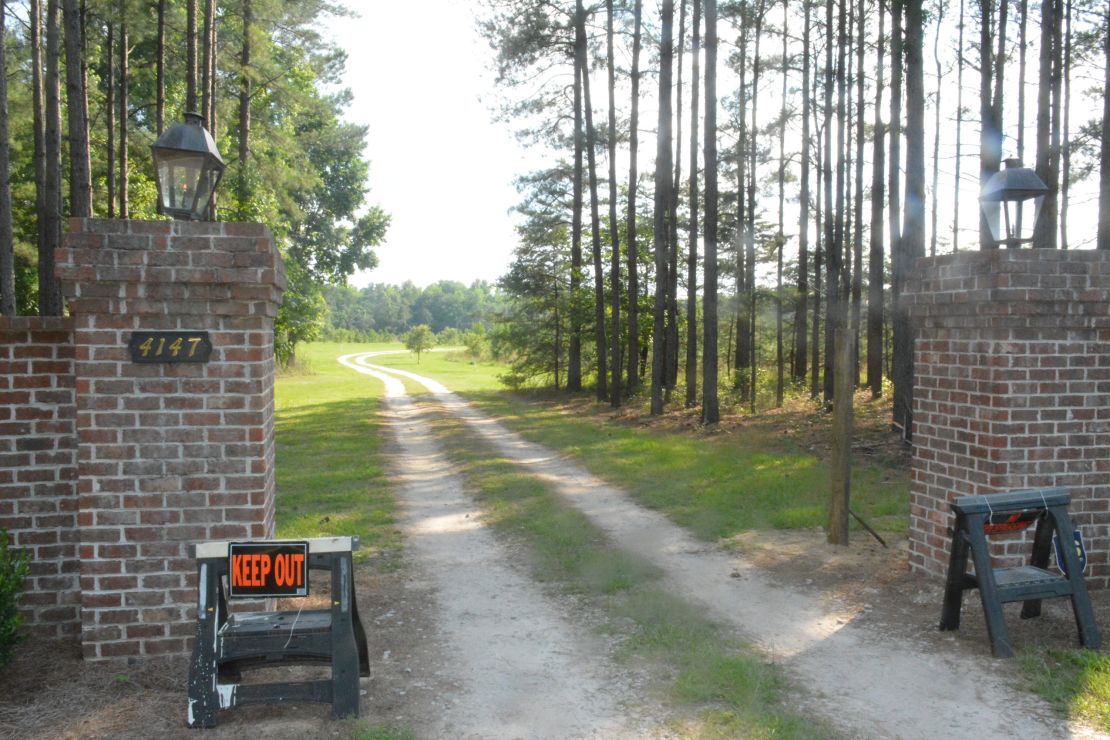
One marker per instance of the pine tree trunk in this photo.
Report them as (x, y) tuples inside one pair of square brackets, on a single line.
[(1044, 231), (670, 379), (749, 257), (7, 246), (601, 346), (38, 105), (206, 99), (912, 244), (780, 379), (801, 308), (988, 129), (875, 267), (710, 413), (857, 202), (832, 279), (1104, 164), (1023, 7), (110, 114), (633, 187), (615, 393), (80, 179), (245, 93), (574, 359), (124, 83), (743, 353), (818, 263), (841, 462), (692, 253), (960, 130), (894, 181), (50, 297), (191, 56), (838, 296), (663, 174), (1065, 148), (933, 235), (160, 69)]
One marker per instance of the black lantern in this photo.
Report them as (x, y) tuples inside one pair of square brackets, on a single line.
[(1003, 202), (187, 167)]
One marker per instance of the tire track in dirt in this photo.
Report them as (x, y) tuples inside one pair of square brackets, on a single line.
[(860, 679), (510, 661)]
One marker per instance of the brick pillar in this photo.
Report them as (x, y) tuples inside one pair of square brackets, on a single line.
[(38, 466), (1012, 390), (168, 454)]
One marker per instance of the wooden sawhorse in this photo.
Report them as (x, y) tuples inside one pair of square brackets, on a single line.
[(227, 644), (978, 516)]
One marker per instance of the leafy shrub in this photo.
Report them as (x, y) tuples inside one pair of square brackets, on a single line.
[(13, 569)]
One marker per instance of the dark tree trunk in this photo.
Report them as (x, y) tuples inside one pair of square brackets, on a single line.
[(749, 257), (836, 314), (1045, 230), (801, 308), (245, 93), (913, 239), (818, 264), (894, 181), (207, 51), (743, 352), (960, 129), (663, 183), (160, 68), (857, 201), (124, 83), (1023, 25), (692, 254), (614, 227), (191, 56), (933, 235), (671, 375), (110, 114), (574, 359), (1065, 147), (1104, 165), (990, 135), (875, 268), (7, 247), (633, 176), (50, 296), (38, 106), (780, 379), (710, 413), (601, 346), (80, 179)]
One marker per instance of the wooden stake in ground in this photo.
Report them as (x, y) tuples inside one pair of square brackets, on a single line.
[(841, 437)]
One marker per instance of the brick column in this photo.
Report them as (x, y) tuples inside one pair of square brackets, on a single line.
[(168, 454), (38, 472), (1012, 390)]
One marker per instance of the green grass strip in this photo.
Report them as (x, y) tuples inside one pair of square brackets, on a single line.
[(729, 690), (330, 466), (716, 485), (1076, 682)]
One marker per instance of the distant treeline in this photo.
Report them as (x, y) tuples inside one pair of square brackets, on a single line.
[(381, 312)]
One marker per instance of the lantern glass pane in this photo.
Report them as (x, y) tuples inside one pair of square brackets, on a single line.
[(992, 211), (179, 174)]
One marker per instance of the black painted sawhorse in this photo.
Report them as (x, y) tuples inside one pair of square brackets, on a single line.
[(227, 644), (979, 516)]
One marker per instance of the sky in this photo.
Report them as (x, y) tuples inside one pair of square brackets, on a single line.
[(439, 165)]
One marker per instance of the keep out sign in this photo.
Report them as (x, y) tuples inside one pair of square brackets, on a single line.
[(268, 569)]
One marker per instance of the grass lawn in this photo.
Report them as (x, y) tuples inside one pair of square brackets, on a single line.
[(330, 478)]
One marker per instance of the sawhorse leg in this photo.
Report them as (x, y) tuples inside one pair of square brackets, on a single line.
[(954, 586), (344, 648), (988, 591), (204, 700), (1080, 601)]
